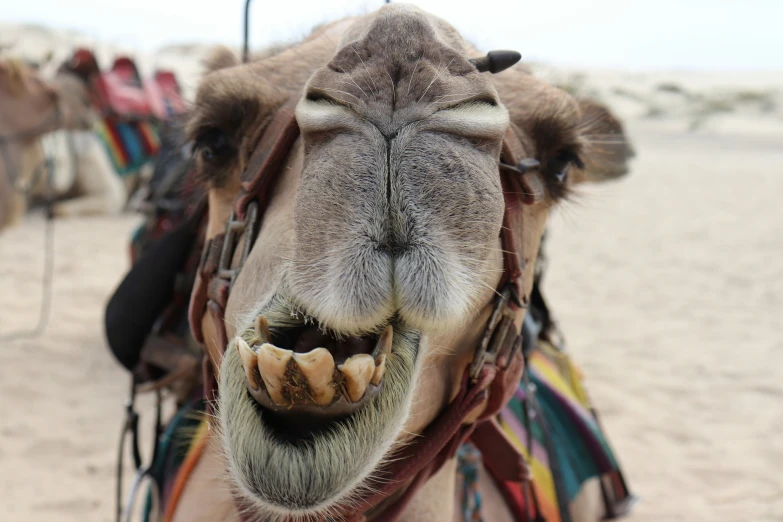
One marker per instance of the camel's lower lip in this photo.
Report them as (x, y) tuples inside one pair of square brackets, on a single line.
[(294, 458), (301, 370)]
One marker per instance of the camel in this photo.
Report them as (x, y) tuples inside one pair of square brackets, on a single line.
[(81, 167), (60, 110), (352, 327), (31, 107)]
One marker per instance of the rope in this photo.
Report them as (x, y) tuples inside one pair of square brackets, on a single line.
[(44, 311), (46, 288)]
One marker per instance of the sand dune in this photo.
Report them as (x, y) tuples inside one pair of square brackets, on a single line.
[(667, 285)]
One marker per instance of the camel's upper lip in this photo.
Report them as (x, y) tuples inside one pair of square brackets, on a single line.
[(298, 369)]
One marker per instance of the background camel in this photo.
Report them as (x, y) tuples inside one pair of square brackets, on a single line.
[(83, 178), (382, 229), (44, 120), (31, 107)]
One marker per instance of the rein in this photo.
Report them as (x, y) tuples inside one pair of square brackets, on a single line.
[(492, 377)]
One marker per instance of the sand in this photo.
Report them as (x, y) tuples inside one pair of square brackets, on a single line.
[(667, 286), (670, 292)]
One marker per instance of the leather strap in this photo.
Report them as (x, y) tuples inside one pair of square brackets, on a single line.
[(210, 292), (514, 195), (266, 162)]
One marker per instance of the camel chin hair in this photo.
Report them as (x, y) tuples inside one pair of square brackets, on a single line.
[(278, 479)]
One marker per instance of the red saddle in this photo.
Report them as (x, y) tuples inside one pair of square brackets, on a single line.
[(121, 92)]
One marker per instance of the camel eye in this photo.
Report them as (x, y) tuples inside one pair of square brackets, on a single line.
[(472, 104), (559, 165), (214, 146), (318, 97), (555, 171)]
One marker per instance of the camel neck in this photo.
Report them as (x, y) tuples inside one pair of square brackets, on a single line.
[(435, 501)]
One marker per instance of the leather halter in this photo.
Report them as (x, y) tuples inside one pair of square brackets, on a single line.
[(498, 362)]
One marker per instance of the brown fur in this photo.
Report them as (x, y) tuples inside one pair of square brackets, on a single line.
[(608, 149), (17, 76), (220, 57)]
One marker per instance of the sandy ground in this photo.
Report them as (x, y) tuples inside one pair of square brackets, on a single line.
[(669, 289), (667, 285)]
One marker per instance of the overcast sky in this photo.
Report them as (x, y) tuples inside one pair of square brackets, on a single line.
[(639, 34)]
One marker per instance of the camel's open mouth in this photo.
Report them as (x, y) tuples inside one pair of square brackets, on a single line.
[(294, 399), (302, 370)]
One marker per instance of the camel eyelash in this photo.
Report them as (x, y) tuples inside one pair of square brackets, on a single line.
[(489, 102), (555, 170), (213, 149)]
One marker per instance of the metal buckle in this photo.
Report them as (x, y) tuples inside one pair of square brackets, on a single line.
[(487, 353), (235, 228)]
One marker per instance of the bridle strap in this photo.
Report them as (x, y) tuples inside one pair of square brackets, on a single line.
[(216, 274), (265, 165)]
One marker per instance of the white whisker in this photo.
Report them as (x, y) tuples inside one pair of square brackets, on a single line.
[(437, 74), (366, 69), (410, 82), (352, 80)]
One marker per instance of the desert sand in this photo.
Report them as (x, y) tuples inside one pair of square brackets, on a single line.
[(667, 285)]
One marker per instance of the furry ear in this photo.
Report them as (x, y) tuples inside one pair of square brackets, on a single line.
[(220, 57), (606, 149)]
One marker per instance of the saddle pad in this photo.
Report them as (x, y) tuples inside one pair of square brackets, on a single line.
[(130, 144), (562, 440)]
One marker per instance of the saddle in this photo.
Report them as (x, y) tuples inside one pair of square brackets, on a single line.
[(131, 110), (121, 92)]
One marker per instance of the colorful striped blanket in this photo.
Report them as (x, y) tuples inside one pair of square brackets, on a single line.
[(550, 420), (130, 144)]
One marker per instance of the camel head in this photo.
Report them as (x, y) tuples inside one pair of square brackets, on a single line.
[(28, 102), (375, 268)]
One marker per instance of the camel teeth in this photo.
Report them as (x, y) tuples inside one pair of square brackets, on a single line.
[(380, 369), (317, 366), (262, 329), (384, 344), (358, 370), (272, 362), (249, 361)]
